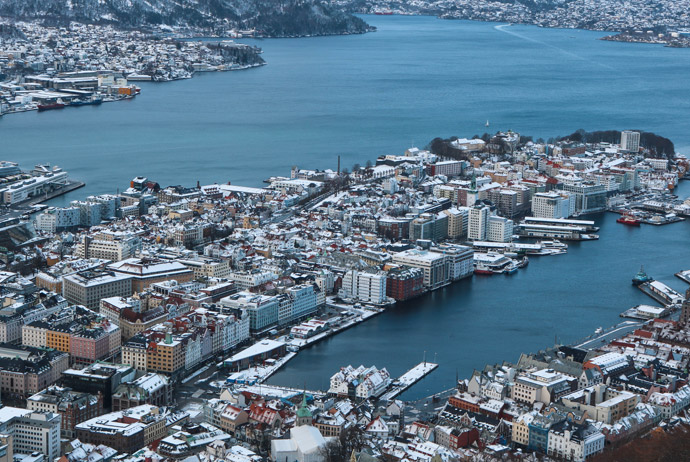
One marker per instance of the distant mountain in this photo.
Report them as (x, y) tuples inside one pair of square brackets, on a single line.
[(273, 17)]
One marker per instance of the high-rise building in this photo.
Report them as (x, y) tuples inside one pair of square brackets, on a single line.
[(553, 205), (478, 223), (630, 141)]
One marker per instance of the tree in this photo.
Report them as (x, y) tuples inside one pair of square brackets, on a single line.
[(356, 168), (369, 164)]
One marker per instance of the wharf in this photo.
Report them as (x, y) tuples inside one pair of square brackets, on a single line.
[(69, 187), (274, 391), (661, 293), (361, 316), (646, 312), (684, 275), (258, 374), (408, 379)]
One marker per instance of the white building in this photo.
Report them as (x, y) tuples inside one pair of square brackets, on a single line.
[(553, 205), (500, 229), (32, 431), (459, 260), (304, 445), (58, 219), (246, 279), (478, 223), (670, 404), (262, 309), (436, 271), (364, 286), (568, 441), (365, 382), (34, 186), (630, 141)]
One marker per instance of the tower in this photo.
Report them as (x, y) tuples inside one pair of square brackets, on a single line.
[(303, 413), (685, 311)]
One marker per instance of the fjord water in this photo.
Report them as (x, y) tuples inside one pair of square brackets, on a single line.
[(359, 97), (367, 95)]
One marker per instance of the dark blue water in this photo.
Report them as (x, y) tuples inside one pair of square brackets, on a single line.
[(363, 96), (360, 97)]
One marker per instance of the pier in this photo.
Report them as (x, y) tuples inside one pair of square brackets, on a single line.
[(408, 379), (661, 293), (684, 276)]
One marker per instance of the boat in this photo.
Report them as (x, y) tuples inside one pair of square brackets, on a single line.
[(629, 220), (598, 331), (88, 102), (512, 268), (487, 123), (641, 277), (554, 244), (47, 107), (524, 262), (383, 13), (481, 268)]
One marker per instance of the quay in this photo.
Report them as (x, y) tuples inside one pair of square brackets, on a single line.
[(408, 379), (71, 185), (646, 312), (684, 275), (661, 293)]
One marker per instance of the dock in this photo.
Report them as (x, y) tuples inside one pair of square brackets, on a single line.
[(646, 312), (661, 293), (69, 187), (684, 276), (408, 379)]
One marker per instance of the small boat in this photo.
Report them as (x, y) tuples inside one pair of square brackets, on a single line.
[(599, 331), (641, 277), (487, 123), (524, 262), (629, 220)]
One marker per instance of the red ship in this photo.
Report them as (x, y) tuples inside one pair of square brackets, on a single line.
[(46, 107), (629, 220), (384, 13)]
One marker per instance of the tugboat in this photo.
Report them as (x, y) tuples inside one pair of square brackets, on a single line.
[(641, 277), (628, 219)]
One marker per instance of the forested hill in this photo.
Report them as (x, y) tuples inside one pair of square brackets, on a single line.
[(273, 18)]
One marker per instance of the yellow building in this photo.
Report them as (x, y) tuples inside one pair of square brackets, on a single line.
[(58, 340)]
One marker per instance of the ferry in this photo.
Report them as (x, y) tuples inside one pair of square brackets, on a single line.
[(641, 277), (629, 220)]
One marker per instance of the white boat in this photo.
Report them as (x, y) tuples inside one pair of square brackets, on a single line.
[(599, 330), (487, 123)]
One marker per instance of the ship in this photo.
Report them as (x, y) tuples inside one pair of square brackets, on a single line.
[(481, 268), (383, 13), (47, 107), (629, 220), (641, 277), (487, 123), (91, 102)]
